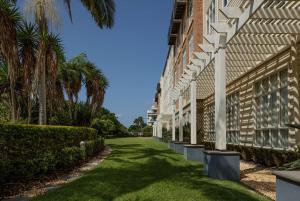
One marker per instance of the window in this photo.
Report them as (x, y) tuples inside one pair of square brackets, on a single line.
[(225, 2), (232, 118), (211, 122), (211, 16), (190, 11), (191, 46), (271, 111)]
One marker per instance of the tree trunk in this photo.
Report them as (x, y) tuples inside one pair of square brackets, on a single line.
[(29, 109), (42, 89)]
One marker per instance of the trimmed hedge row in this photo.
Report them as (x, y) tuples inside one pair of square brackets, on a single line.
[(28, 151), (263, 156)]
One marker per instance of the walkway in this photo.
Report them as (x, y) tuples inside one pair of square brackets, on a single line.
[(140, 169)]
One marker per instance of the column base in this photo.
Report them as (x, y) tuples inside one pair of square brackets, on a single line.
[(158, 139), (171, 145), (194, 152), (287, 185), (222, 165), (179, 147)]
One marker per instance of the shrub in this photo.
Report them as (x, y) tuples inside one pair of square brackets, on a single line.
[(61, 118), (263, 156), (27, 151), (71, 156), (104, 126), (166, 135)]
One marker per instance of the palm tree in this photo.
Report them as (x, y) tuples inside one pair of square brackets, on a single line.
[(9, 19), (45, 13), (28, 41), (54, 57)]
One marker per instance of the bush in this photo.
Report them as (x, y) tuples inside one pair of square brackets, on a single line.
[(263, 156), (61, 118), (166, 135), (28, 151), (104, 126)]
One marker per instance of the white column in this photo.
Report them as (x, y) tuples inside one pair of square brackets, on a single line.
[(153, 130), (180, 118), (220, 99), (173, 122), (193, 88), (159, 126)]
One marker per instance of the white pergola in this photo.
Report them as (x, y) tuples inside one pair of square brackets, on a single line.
[(254, 32)]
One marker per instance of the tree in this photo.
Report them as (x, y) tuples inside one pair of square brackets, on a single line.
[(28, 41), (9, 19), (139, 122), (45, 14)]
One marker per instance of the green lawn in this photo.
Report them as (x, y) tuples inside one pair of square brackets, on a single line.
[(140, 169)]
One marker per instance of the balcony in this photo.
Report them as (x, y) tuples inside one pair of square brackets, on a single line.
[(177, 15)]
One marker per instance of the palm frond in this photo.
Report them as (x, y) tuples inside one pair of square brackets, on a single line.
[(102, 11)]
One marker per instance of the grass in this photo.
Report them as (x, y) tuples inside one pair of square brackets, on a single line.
[(140, 169)]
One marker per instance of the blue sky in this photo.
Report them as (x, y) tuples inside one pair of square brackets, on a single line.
[(131, 55)]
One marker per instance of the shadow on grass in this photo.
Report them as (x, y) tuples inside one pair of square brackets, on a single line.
[(132, 168)]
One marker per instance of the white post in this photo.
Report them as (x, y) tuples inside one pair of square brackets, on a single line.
[(173, 122), (154, 129), (180, 118), (193, 88), (220, 98), (159, 126)]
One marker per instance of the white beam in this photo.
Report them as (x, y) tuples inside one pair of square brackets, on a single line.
[(249, 11), (207, 48), (220, 27), (261, 39), (194, 68), (258, 49), (258, 26), (231, 12)]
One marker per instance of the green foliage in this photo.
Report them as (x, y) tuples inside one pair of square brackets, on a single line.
[(295, 165), (137, 126), (104, 126), (4, 113), (166, 135), (61, 118), (187, 132), (266, 157), (108, 124), (29, 150), (70, 156), (177, 134)]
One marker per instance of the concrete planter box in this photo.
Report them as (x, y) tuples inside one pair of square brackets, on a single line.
[(222, 165), (171, 145), (287, 185), (179, 147), (194, 152)]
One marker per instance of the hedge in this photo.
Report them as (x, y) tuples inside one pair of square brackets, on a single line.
[(29, 151), (263, 156)]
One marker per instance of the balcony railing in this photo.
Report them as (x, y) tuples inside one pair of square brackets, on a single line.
[(176, 19)]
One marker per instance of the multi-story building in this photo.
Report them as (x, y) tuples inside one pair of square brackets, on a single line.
[(151, 115), (236, 71)]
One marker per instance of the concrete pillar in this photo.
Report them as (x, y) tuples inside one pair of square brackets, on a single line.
[(153, 130), (159, 126), (220, 99), (193, 88), (173, 122), (180, 118)]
